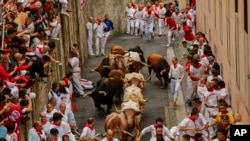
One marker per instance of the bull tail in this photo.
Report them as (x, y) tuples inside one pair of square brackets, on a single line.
[(149, 70)]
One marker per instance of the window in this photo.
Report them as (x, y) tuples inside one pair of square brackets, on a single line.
[(237, 50), (221, 22), (245, 16), (236, 6)]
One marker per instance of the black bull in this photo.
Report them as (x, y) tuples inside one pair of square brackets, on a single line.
[(106, 89)]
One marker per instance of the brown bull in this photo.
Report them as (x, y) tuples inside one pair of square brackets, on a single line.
[(132, 113), (116, 74), (118, 124), (160, 67), (116, 61), (136, 66), (117, 49)]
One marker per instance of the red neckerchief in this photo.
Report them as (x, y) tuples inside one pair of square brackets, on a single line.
[(11, 132), (199, 65), (66, 81), (210, 89), (175, 66), (203, 56), (89, 126), (202, 84), (39, 132), (44, 122), (221, 88), (158, 136), (56, 124), (191, 118), (155, 125)]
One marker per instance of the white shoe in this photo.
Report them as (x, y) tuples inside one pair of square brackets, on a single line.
[(64, 13), (92, 54), (173, 39), (168, 45)]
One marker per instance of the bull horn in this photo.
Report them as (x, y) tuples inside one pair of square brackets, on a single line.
[(116, 109), (145, 64), (126, 132), (127, 54), (103, 92), (162, 71), (144, 100), (94, 69), (87, 94), (149, 77)]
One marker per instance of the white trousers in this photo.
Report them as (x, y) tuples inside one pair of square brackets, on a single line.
[(149, 30), (161, 26), (90, 41), (175, 86), (211, 112), (139, 24), (130, 26), (64, 5), (77, 84), (192, 89), (106, 35), (98, 40), (55, 31), (170, 32)]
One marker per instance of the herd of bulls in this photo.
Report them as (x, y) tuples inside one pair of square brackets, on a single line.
[(120, 73)]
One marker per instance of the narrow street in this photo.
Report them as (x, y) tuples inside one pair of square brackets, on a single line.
[(159, 100)]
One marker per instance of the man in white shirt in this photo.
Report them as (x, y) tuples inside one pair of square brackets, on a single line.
[(159, 136), (176, 74), (45, 123), (99, 36), (178, 17), (188, 126), (88, 132), (62, 127), (221, 135), (149, 17), (129, 16), (89, 27), (161, 11), (74, 64), (223, 94), (36, 133), (110, 136), (50, 110), (139, 22), (152, 130)]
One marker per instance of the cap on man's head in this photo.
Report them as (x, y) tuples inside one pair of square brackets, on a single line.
[(210, 58)]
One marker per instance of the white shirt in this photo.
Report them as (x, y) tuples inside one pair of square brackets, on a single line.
[(152, 129), (210, 78), (105, 139), (200, 121), (46, 127), (212, 98), (149, 19), (201, 91), (130, 12), (177, 73), (74, 61), (204, 61), (35, 136), (197, 71), (161, 12), (164, 137), (224, 92), (189, 23), (58, 98), (11, 137), (63, 129), (87, 132), (178, 18), (99, 29), (139, 14), (50, 115), (187, 123), (89, 27)]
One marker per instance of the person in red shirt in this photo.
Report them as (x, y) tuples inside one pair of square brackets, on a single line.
[(172, 28)]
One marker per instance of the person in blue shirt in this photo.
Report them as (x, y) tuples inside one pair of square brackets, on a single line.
[(3, 129), (107, 30)]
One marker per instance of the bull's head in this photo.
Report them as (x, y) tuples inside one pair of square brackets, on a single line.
[(136, 66), (102, 69)]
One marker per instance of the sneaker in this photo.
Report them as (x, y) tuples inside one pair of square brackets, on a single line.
[(91, 54), (103, 54), (96, 55), (168, 45), (64, 13), (173, 39)]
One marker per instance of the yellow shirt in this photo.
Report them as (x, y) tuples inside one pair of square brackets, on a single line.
[(229, 114)]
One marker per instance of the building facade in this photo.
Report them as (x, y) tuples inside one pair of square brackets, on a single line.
[(226, 24)]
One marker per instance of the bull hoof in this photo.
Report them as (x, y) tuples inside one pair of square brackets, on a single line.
[(100, 109)]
